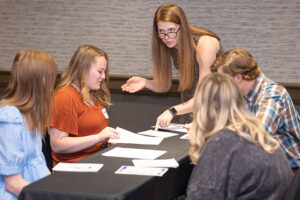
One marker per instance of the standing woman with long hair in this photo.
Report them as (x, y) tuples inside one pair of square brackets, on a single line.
[(234, 157), (79, 122), (25, 110), (192, 49)]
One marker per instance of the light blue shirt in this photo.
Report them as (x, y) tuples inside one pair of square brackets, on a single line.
[(20, 152)]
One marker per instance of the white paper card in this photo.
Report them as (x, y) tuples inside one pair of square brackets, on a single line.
[(157, 133), (134, 153), (156, 163), (105, 113), (77, 167), (174, 127), (143, 171), (128, 137), (185, 137)]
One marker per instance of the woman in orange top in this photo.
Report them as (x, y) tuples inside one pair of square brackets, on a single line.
[(78, 126)]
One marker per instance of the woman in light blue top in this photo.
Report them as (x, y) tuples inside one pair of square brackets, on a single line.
[(25, 110)]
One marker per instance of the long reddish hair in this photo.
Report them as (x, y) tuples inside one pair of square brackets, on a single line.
[(161, 54)]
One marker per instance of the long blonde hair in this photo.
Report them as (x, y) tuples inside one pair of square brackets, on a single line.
[(80, 65), (219, 104), (161, 54), (237, 61), (31, 87)]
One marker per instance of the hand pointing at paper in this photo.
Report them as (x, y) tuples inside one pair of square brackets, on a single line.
[(164, 119)]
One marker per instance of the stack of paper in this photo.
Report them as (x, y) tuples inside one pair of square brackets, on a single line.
[(133, 138), (157, 133), (77, 167)]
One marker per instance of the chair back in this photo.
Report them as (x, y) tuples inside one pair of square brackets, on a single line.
[(293, 192)]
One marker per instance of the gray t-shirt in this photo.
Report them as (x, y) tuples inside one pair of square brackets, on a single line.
[(231, 167)]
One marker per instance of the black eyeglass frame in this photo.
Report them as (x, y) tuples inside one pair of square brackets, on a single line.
[(167, 34)]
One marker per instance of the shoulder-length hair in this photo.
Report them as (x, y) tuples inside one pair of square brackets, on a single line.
[(219, 104), (237, 61), (79, 66), (30, 87), (161, 54)]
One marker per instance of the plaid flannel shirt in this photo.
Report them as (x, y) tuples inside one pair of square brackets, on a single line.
[(272, 103)]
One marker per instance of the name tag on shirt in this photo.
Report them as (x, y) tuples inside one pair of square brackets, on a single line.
[(105, 113)]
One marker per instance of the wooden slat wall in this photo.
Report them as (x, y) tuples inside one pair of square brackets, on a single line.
[(116, 80)]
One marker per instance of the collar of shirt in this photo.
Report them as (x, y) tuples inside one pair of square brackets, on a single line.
[(255, 89)]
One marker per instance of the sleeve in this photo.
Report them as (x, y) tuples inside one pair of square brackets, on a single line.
[(11, 148), (64, 116), (270, 110)]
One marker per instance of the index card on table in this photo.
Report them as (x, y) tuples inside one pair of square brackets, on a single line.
[(134, 153), (143, 171), (77, 167), (156, 163)]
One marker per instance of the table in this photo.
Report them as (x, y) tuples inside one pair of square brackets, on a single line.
[(105, 184)]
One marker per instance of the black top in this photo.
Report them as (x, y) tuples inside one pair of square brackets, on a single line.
[(231, 167), (187, 94)]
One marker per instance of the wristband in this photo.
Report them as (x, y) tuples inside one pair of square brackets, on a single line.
[(173, 111)]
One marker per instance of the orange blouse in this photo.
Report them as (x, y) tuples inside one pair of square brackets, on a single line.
[(77, 119)]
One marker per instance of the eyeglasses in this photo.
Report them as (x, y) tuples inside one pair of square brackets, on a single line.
[(169, 34)]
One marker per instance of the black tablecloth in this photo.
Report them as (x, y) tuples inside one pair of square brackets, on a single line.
[(105, 184)]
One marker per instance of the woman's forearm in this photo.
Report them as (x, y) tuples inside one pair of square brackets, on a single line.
[(61, 142), (73, 144), (154, 87), (15, 183), (184, 108)]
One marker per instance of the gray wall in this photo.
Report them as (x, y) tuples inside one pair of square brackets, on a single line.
[(270, 29)]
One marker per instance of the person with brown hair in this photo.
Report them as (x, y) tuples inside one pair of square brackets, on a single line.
[(79, 122), (25, 110), (268, 100), (233, 155), (192, 49)]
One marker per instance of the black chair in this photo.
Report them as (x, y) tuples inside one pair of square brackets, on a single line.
[(47, 151), (293, 192)]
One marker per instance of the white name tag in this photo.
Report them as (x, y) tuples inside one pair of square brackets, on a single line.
[(105, 113)]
